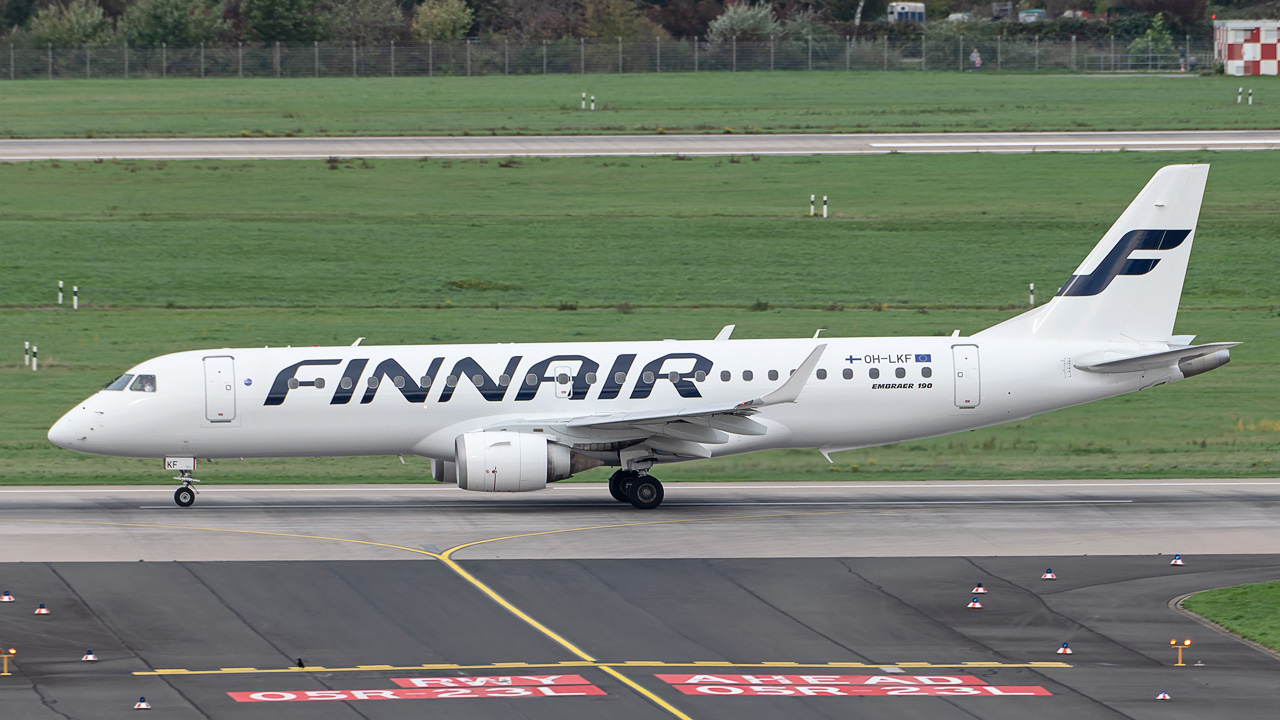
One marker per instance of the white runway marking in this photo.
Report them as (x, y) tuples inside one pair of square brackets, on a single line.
[(747, 503)]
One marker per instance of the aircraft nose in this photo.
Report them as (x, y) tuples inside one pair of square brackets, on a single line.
[(64, 433)]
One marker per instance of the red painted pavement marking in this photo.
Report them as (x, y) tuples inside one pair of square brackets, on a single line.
[(436, 693), (874, 691), (821, 680), (490, 680)]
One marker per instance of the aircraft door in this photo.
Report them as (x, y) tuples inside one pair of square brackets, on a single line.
[(564, 381), (968, 378), (219, 389)]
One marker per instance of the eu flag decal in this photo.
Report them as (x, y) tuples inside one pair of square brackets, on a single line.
[(923, 358)]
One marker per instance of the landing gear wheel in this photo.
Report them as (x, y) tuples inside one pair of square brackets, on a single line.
[(185, 496), (618, 484), (645, 492)]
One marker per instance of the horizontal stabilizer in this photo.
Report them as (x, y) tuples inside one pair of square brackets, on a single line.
[(1152, 361)]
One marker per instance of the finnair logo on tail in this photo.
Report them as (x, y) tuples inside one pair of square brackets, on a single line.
[(1118, 262)]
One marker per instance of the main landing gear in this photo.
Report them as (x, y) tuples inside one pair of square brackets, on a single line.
[(185, 496), (642, 491)]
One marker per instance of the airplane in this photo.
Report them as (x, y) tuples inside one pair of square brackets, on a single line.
[(516, 417)]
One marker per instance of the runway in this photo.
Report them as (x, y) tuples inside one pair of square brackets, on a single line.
[(798, 600), (627, 145)]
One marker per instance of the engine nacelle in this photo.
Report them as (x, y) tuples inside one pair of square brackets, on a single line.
[(444, 471), (509, 461)]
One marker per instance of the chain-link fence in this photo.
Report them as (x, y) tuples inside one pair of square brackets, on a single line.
[(464, 58)]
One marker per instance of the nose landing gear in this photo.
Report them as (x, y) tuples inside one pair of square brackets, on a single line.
[(185, 496)]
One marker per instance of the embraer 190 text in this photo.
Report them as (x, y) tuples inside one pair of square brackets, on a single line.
[(515, 417)]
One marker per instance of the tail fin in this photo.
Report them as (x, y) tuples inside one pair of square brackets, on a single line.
[(1128, 288)]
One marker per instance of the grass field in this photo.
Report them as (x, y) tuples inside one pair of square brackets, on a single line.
[(186, 255), (671, 102), (1251, 611)]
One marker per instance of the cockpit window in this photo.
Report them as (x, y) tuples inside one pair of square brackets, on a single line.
[(119, 383), (144, 383)]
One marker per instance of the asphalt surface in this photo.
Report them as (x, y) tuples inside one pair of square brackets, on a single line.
[(781, 590), (628, 145)]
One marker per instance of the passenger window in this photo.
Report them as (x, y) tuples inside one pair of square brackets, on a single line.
[(847, 373), (319, 383), (425, 383), (373, 382), (619, 378), (345, 383), (725, 375), (144, 383), (477, 380), (119, 383), (293, 383), (699, 376), (563, 378), (451, 381), (530, 379), (926, 372), (399, 381), (900, 372), (874, 373), (648, 378), (591, 378), (822, 374), (504, 379), (773, 374), (673, 376), (747, 375)]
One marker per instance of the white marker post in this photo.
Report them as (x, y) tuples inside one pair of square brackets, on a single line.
[(812, 211), (35, 358), (824, 206), (584, 99), (26, 353), (1250, 96), (59, 292), (1239, 95), (75, 297), (593, 100), (1032, 295)]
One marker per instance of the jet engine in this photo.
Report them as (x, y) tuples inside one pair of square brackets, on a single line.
[(513, 461), (1204, 363)]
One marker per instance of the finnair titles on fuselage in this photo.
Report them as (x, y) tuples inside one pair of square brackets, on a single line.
[(514, 417)]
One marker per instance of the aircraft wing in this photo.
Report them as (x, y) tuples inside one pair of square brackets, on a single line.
[(680, 430)]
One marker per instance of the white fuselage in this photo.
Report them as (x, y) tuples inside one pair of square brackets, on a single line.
[(318, 401)]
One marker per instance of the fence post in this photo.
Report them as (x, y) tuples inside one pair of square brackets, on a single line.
[(506, 56), (393, 58), (354, 66), (164, 60), (240, 59), (735, 52), (695, 54), (923, 54), (11, 70), (810, 52), (848, 49), (886, 50), (1073, 52), (50, 61), (960, 53), (657, 41), (544, 57), (276, 59), (582, 56), (999, 49), (1037, 53), (619, 56), (431, 58), (315, 58), (771, 39), (202, 59), (468, 57), (88, 74), (1113, 53)]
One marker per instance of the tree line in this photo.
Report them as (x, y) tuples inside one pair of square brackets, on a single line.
[(188, 23)]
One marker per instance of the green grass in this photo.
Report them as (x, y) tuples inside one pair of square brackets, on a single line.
[(907, 230), (207, 254), (671, 102), (1250, 611)]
